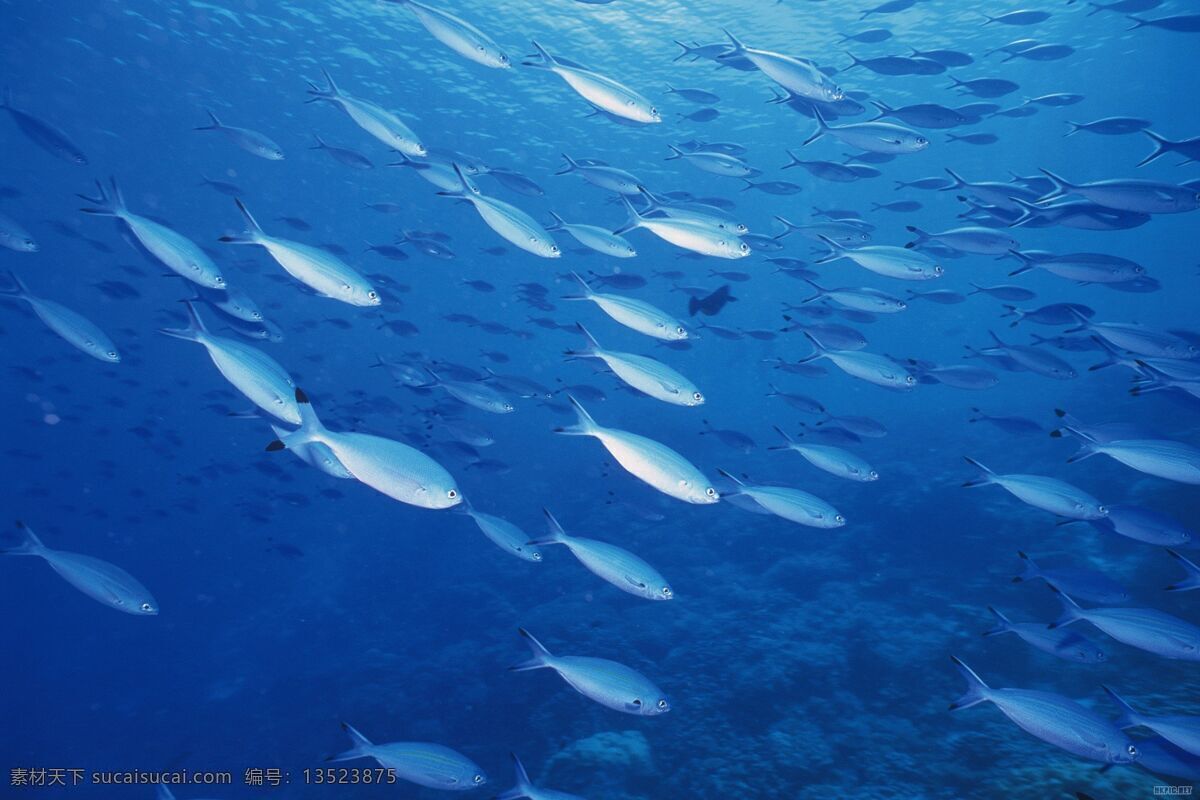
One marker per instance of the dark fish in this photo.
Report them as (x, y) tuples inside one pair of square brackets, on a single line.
[(872, 36), (1110, 126), (973, 138), (703, 115), (43, 134), (711, 304), (295, 222), (224, 187), (342, 155), (985, 87)]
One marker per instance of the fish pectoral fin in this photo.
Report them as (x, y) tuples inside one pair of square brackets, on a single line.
[(635, 582), (634, 705)]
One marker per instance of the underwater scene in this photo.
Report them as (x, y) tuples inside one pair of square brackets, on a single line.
[(609, 399)]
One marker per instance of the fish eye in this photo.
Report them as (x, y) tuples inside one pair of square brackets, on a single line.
[(711, 492), (654, 111), (452, 494), (699, 398), (839, 519), (910, 380), (553, 248), (662, 705), (477, 779), (1133, 751), (666, 591), (537, 556), (373, 294), (937, 270), (680, 330), (220, 281), (873, 475), (1103, 510), (147, 607), (922, 140)]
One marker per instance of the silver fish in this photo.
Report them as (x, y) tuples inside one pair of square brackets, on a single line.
[(389, 467), (459, 35), (647, 375), (177, 252), (634, 314), (602, 92), (318, 269), (99, 580), (650, 461), (250, 141), (594, 237), (833, 460), (380, 123), (616, 565), (1062, 644), (252, 372), (1052, 718), (870, 367), (504, 534), (610, 684), (893, 262), (793, 505), (1048, 494), (873, 137), (76, 330), (1163, 458), (510, 222), (1144, 628), (432, 765)]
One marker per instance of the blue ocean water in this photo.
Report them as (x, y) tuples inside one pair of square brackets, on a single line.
[(799, 661)]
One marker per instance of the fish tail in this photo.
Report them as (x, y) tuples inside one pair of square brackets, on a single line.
[(1061, 185), (686, 50), (593, 347), (984, 479), (547, 61), (30, 544), (1162, 146), (633, 218), (738, 47), (977, 690), (1191, 580), (215, 123), (795, 162), (310, 428), (584, 285), (253, 233), (821, 127), (541, 656), (958, 181), (1129, 717), (1031, 569), (556, 533), (788, 441), (1071, 609), (731, 477), (818, 348), (19, 290), (855, 61), (921, 235), (835, 250), (676, 153), (109, 203), (559, 222), (1003, 625), (1137, 22), (585, 426), (320, 145), (193, 331), (362, 745)]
